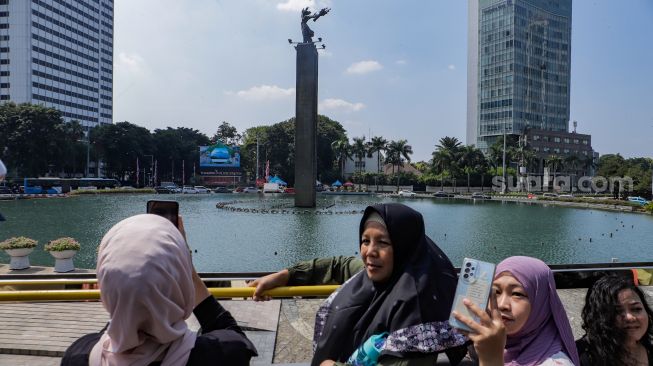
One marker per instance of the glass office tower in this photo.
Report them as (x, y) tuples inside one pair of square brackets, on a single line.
[(518, 68)]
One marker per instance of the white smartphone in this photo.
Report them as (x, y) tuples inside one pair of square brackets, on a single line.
[(475, 284)]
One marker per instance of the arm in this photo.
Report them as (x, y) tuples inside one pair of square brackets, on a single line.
[(319, 271), (489, 336)]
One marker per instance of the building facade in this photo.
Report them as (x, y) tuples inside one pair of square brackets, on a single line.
[(547, 143), (369, 164), (518, 68), (59, 53)]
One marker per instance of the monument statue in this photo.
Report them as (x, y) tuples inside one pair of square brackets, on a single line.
[(306, 16)]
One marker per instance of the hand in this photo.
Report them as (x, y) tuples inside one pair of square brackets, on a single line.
[(328, 363), (268, 282), (489, 336)]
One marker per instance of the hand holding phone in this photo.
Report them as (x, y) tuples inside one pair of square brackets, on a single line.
[(474, 284), (166, 209)]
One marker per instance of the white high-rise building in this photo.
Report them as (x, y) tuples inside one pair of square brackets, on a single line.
[(59, 53)]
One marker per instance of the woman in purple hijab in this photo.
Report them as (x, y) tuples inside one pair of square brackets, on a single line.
[(527, 324)]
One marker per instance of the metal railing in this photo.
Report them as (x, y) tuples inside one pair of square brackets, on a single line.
[(567, 276)]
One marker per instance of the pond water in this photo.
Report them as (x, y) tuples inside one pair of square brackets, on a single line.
[(229, 241)]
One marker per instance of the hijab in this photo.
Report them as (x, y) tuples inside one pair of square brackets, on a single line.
[(547, 330), (413, 305), (144, 271)]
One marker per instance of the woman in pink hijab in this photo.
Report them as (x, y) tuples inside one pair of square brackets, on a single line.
[(149, 287), (527, 324)]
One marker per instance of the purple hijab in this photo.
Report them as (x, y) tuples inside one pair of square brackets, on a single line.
[(547, 330)]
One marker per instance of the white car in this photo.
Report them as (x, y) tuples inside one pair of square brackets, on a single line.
[(188, 190), (407, 194), (201, 189)]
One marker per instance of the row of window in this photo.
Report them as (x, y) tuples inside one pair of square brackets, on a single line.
[(4, 62), (66, 15), (4, 85), (107, 7), (63, 102), (88, 6), (64, 48), (77, 10), (106, 88), (63, 81), (567, 140), (64, 92), (5, 73), (106, 97), (63, 36), (107, 16), (107, 61), (4, 14), (63, 69), (63, 58), (496, 115), (64, 26), (4, 96), (79, 117), (557, 150), (105, 115), (4, 38), (4, 25), (105, 106), (496, 104), (4, 49)]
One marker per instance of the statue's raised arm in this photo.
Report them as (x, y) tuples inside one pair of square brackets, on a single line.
[(307, 33)]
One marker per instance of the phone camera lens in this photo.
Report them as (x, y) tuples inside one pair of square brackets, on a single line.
[(468, 264), (466, 270), (473, 268), (465, 275), (471, 274)]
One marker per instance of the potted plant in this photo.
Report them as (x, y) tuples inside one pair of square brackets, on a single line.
[(18, 249), (63, 250)]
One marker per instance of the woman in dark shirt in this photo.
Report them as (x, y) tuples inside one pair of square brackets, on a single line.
[(618, 325), (149, 287)]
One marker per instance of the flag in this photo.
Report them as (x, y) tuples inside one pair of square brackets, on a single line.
[(156, 165), (267, 169), (137, 170)]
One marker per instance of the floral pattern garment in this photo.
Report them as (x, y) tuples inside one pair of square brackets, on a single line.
[(422, 338)]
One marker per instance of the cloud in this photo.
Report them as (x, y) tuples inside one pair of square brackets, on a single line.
[(401, 62), (295, 5), (133, 63), (264, 92), (363, 67), (451, 67), (340, 105)]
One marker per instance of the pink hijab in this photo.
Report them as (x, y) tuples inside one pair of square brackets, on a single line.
[(144, 271), (547, 330)]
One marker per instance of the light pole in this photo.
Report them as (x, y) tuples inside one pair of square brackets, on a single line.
[(503, 186), (151, 167)]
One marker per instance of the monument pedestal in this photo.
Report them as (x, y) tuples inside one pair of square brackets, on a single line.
[(306, 125)]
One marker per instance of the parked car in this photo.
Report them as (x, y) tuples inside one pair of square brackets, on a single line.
[(549, 194), (250, 190), (222, 190), (171, 186), (641, 200), (407, 194), (188, 190), (481, 196), (289, 190), (442, 194), (201, 189), (566, 196), (164, 190), (5, 190)]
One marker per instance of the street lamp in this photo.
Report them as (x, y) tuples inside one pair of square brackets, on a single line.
[(151, 167)]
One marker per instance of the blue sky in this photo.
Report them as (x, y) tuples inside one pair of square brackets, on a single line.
[(391, 68)]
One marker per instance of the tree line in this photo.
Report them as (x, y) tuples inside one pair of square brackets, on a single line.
[(35, 141)]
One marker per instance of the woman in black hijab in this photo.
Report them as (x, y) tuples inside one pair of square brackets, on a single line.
[(406, 290)]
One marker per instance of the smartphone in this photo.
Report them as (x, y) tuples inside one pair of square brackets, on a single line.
[(167, 209), (475, 284)]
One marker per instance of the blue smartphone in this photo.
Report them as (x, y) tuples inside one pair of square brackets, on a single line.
[(475, 284)]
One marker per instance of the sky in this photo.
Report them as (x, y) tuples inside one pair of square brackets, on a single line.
[(395, 69)]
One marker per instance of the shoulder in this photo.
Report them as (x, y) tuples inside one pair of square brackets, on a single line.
[(419, 360), (77, 353), (558, 359)]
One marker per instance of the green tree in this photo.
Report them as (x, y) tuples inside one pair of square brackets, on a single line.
[(470, 160), (398, 152), (178, 147), (119, 145), (35, 139), (342, 151), (446, 156), (227, 134), (378, 145), (555, 163)]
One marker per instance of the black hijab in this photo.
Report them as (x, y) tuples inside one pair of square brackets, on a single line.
[(419, 293)]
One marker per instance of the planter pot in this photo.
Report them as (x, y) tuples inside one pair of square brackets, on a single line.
[(19, 257), (63, 260)]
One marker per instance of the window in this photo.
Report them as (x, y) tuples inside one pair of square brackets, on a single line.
[(576, 141), (556, 139), (556, 150), (567, 140), (536, 137), (584, 142)]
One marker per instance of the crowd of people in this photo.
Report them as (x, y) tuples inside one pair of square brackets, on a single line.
[(393, 306)]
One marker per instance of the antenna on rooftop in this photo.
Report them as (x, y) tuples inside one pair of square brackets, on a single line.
[(575, 125)]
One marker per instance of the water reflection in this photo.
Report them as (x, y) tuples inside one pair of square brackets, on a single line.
[(237, 241)]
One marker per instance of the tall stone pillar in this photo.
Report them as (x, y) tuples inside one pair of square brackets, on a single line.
[(306, 125)]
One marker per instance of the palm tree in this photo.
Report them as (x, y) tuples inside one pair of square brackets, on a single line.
[(446, 155), (377, 145), (398, 151), (554, 162), (359, 149), (588, 164), (342, 151), (469, 160)]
